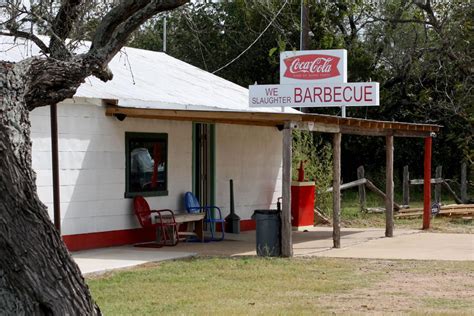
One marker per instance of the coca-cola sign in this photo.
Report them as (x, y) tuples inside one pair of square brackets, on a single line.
[(322, 66), (311, 67), (314, 78)]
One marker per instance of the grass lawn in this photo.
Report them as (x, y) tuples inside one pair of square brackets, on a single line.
[(219, 286)]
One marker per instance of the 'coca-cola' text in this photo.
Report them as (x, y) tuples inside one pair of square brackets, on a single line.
[(311, 67)]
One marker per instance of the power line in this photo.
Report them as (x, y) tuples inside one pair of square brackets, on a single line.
[(255, 41)]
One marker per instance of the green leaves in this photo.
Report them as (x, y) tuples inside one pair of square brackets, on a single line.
[(425, 73), (317, 155), (272, 51)]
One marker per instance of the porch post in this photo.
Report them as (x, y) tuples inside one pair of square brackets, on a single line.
[(336, 192), (55, 166), (286, 238), (427, 184), (389, 187)]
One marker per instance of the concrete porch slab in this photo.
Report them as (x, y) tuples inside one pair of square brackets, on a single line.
[(417, 246), (355, 243), (317, 242), (106, 259)]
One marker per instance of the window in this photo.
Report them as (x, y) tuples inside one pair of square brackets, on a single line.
[(146, 164)]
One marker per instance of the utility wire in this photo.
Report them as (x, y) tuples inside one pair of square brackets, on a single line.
[(255, 41)]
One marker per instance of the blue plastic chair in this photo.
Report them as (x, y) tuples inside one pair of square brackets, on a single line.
[(193, 206)]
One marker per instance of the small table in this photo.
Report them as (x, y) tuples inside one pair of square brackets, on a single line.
[(180, 218)]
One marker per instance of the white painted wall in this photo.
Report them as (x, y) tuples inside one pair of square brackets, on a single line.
[(251, 156), (92, 165)]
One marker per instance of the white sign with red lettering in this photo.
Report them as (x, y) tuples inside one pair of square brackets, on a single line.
[(315, 95), (313, 65)]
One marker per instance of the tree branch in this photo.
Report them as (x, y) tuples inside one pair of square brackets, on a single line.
[(396, 21), (59, 82), (429, 11), (48, 82), (35, 39), (62, 26), (113, 19), (112, 34)]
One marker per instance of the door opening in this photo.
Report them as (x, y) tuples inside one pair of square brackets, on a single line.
[(203, 161)]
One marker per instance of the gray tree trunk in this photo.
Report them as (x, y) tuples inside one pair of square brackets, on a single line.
[(37, 274)]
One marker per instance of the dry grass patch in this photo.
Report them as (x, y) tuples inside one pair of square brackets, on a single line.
[(353, 217), (282, 286)]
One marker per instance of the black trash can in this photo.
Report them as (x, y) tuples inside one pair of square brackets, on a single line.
[(268, 232)]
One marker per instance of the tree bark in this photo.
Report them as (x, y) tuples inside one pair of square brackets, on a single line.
[(37, 274)]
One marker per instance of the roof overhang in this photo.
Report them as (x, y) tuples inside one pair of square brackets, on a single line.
[(305, 121)]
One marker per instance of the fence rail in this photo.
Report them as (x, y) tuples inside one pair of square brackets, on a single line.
[(363, 183)]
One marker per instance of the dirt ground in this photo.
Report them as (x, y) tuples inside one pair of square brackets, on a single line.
[(413, 290)]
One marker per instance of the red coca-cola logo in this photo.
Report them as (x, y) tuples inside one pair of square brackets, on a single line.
[(311, 67)]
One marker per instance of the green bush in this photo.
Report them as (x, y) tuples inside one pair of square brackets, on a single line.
[(317, 154)]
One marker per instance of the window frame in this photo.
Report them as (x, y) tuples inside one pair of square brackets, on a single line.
[(148, 136)]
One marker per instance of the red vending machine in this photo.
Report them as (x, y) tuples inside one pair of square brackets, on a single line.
[(302, 205)]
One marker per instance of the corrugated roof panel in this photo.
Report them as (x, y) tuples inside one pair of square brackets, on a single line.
[(147, 79)]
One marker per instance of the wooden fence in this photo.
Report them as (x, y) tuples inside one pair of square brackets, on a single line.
[(439, 183), (363, 183)]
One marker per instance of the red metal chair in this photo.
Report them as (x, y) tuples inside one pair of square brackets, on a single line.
[(164, 222)]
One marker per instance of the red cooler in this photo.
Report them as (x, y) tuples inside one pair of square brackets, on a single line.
[(302, 205)]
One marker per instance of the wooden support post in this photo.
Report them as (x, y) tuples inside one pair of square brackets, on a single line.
[(389, 187), (286, 238), (406, 186), (439, 174), (427, 184), (336, 195), (362, 198), (464, 183), (55, 166)]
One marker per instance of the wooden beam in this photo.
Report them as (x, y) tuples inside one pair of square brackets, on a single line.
[(380, 193), (404, 132), (451, 191), (336, 196), (204, 115), (450, 213), (322, 123), (318, 127), (209, 120), (389, 187), (383, 130), (422, 181), (427, 184), (355, 130), (443, 207), (349, 185), (286, 230)]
